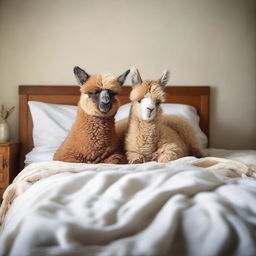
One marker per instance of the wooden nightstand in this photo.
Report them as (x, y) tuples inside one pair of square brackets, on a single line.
[(8, 164)]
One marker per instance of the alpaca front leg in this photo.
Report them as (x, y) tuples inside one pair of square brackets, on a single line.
[(116, 158), (168, 153), (135, 158), (167, 157)]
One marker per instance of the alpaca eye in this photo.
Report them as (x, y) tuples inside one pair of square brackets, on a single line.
[(158, 103), (139, 101), (111, 93)]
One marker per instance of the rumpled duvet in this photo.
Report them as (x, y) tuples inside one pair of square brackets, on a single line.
[(189, 206)]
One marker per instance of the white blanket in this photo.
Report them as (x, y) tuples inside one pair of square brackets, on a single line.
[(187, 207)]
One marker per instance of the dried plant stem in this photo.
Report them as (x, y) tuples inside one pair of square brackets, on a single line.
[(5, 113)]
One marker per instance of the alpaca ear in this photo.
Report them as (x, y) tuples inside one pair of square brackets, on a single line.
[(81, 75), (164, 78), (136, 78), (122, 77)]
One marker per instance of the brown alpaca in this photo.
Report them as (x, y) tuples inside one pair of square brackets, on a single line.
[(151, 136), (93, 138)]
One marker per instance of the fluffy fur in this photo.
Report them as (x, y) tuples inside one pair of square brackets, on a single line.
[(151, 136), (93, 138)]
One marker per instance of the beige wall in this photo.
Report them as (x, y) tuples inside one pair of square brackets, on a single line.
[(203, 42)]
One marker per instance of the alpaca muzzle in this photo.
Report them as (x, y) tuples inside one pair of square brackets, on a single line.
[(105, 103)]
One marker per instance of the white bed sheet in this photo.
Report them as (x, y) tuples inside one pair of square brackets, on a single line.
[(148, 209)]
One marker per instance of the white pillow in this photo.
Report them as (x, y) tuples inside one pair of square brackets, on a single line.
[(52, 122)]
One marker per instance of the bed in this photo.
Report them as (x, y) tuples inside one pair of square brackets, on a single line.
[(189, 206)]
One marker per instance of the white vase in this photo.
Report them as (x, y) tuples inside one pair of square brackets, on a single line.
[(4, 131)]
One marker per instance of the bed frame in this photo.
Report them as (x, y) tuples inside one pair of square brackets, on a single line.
[(197, 96)]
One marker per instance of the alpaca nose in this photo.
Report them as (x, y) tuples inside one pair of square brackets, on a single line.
[(150, 110), (104, 103), (104, 97)]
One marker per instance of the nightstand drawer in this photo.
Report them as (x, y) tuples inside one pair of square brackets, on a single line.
[(1, 163), (8, 163), (3, 172), (1, 169)]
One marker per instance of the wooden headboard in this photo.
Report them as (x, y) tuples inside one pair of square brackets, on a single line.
[(197, 96)]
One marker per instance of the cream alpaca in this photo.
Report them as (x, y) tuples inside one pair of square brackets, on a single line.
[(150, 135)]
